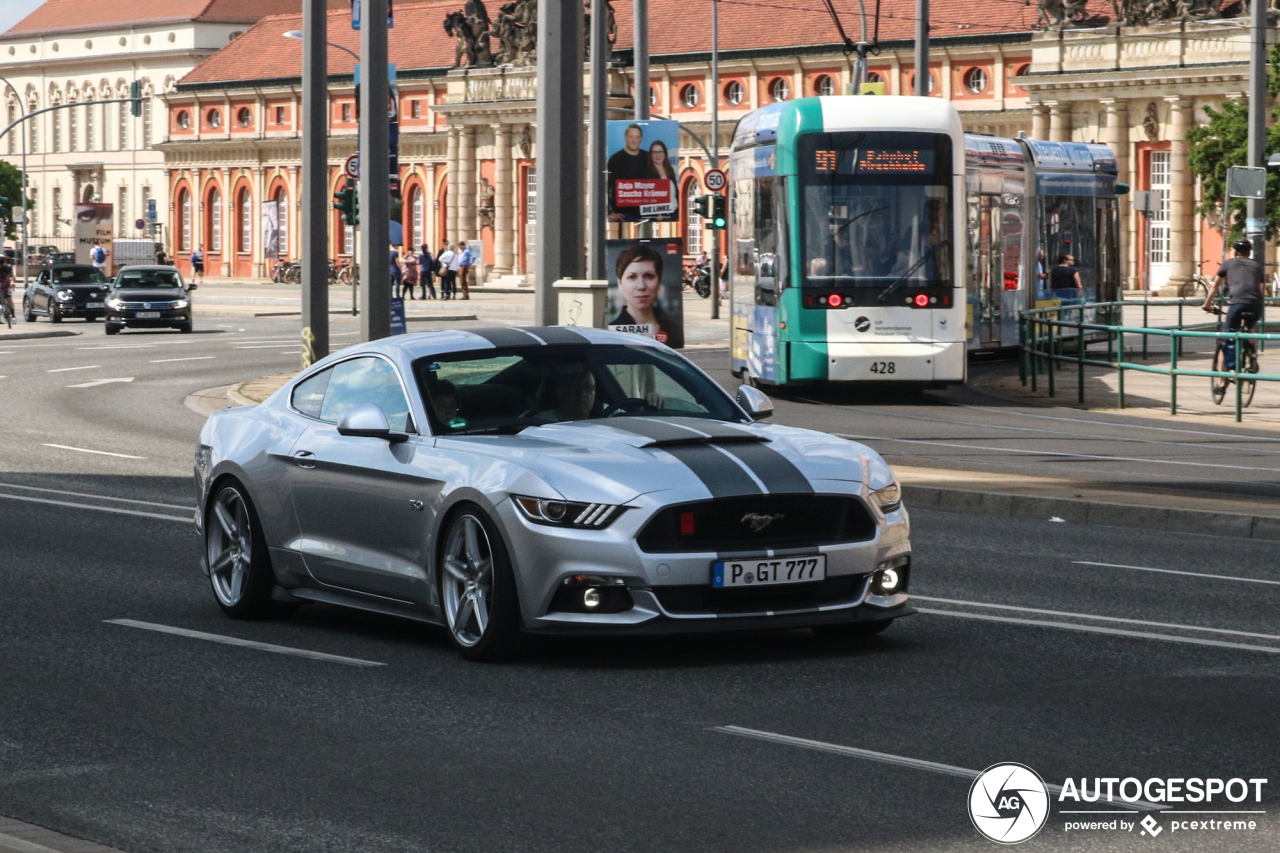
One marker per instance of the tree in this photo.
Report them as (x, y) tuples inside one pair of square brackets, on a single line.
[(1224, 142), (11, 188)]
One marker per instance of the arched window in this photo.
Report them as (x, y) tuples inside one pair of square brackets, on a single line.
[(417, 224), (693, 222), (690, 96), (213, 212), (779, 90), (928, 84), (245, 209), (874, 77), (57, 131), (282, 208), (733, 93), (975, 81), (184, 229), (825, 85)]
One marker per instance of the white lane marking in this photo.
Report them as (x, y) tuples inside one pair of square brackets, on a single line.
[(262, 341), (1175, 572), (1055, 453), (1128, 427), (271, 346), (188, 358), (114, 509), (98, 497), (248, 644), (887, 758), (119, 346), (98, 382), (98, 452), (1098, 618), (1098, 629), (65, 369)]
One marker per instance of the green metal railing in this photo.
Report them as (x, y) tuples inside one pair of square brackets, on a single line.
[(1044, 334)]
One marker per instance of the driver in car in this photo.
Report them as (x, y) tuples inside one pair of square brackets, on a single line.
[(575, 397)]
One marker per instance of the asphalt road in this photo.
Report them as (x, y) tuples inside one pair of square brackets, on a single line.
[(1043, 643)]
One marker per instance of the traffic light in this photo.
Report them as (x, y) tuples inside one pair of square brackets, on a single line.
[(347, 202), (719, 206), (135, 92), (702, 204)]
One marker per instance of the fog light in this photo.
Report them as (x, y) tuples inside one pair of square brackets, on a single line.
[(891, 576), (592, 598), (888, 581)]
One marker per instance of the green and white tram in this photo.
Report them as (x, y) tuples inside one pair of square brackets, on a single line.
[(871, 240)]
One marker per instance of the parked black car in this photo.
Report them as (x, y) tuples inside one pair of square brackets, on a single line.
[(66, 290), (149, 297)]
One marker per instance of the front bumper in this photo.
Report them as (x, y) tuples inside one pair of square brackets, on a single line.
[(663, 587), (167, 319)]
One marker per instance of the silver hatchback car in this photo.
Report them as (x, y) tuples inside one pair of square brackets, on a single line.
[(551, 480)]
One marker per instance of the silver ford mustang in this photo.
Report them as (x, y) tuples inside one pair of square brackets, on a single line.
[(549, 480)]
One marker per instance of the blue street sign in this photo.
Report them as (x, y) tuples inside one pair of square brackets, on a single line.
[(355, 15), (397, 317), (151, 209)]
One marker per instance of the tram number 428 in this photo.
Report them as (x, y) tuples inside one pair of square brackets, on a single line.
[(883, 367)]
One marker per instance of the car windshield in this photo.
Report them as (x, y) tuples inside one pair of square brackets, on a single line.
[(509, 389), (79, 275), (149, 278)]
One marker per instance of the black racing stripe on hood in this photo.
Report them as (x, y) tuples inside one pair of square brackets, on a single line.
[(777, 472), (556, 335), (723, 477), (506, 337), (660, 431)]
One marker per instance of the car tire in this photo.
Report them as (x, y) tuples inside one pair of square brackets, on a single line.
[(477, 587), (28, 315), (852, 630), (239, 564), (55, 315), (110, 328), (185, 328)]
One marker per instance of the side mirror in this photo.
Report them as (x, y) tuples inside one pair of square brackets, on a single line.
[(191, 287), (755, 402), (368, 421)]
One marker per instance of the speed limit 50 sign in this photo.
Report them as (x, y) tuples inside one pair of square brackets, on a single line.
[(715, 180)]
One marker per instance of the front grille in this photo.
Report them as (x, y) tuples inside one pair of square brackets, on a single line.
[(702, 598), (757, 522), (147, 306)]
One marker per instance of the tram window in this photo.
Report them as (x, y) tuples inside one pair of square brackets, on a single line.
[(1071, 228)]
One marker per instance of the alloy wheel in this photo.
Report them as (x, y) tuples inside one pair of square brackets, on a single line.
[(229, 542), (467, 582)]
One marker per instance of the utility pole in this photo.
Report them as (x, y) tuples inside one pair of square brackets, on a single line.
[(596, 142), (21, 130), (922, 47), (375, 165), (1255, 221), (715, 152), (640, 61), (560, 215), (315, 182)]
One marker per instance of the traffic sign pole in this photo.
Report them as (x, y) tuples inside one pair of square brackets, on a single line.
[(315, 180)]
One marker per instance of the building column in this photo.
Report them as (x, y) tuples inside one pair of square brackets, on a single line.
[(451, 175), (430, 216), (1060, 121), (1116, 136), (503, 245), (468, 228), (259, 253), (517, 224), (224, 212), (1181, 212), (1039, 121)]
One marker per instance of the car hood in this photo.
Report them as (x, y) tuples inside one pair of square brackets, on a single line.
[(150, 294), (617, 460)]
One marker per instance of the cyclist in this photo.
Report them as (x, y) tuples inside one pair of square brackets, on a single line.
[(1242, 276)]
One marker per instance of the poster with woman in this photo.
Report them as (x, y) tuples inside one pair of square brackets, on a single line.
[(642, 174), (645, 291)]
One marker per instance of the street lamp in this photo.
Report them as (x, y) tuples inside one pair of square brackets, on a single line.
[(296, 35), (26, 214)]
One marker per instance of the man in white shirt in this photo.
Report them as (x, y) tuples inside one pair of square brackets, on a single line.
[(450, 261)]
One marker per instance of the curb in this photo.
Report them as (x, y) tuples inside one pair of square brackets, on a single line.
[(1098, 513), (31, 336), (17, 836), (234, 395)]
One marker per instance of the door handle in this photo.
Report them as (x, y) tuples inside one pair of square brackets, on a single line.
[(305, 458)]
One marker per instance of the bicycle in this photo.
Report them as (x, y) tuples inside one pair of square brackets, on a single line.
[(1197, 286), (1249, 362)]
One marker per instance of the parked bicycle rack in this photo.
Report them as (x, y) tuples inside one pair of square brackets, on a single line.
[(1042, 333)]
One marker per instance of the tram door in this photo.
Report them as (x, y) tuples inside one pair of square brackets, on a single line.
[(995, 286)]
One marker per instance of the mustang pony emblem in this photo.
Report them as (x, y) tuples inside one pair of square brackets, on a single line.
[(760, 520)]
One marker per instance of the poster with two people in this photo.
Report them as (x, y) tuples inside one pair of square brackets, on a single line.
[(642, 170)]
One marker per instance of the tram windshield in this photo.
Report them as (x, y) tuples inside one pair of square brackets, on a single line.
[(876, 209)]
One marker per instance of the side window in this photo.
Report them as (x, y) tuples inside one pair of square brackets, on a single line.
[(361, 381), (309, 394)]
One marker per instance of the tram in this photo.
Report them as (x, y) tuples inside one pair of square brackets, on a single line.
[(872, 240)]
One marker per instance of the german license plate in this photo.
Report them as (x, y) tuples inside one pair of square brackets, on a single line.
[(147, 315), (95, 304), (725, 573)]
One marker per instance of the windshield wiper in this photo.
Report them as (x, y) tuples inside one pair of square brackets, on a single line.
[(888, 291), (859, 216)]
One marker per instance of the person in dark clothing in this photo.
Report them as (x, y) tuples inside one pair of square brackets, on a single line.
[(1242, 276), (396, 279), (1065, 276), (426, 270)]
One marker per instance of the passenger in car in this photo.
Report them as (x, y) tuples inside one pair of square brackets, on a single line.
[(444, 400)]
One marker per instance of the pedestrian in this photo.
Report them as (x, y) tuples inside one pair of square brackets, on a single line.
[(1065, 276), (162, 260), (395, 273), (410, 264), (449, 261), (197, 264), (465, 264), (99, 257), (426, 271)]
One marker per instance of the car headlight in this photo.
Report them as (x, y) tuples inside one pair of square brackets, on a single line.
[(115, 302), (65, 296), (181, 303), (567, 513), (888, 498), (204, 457)]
